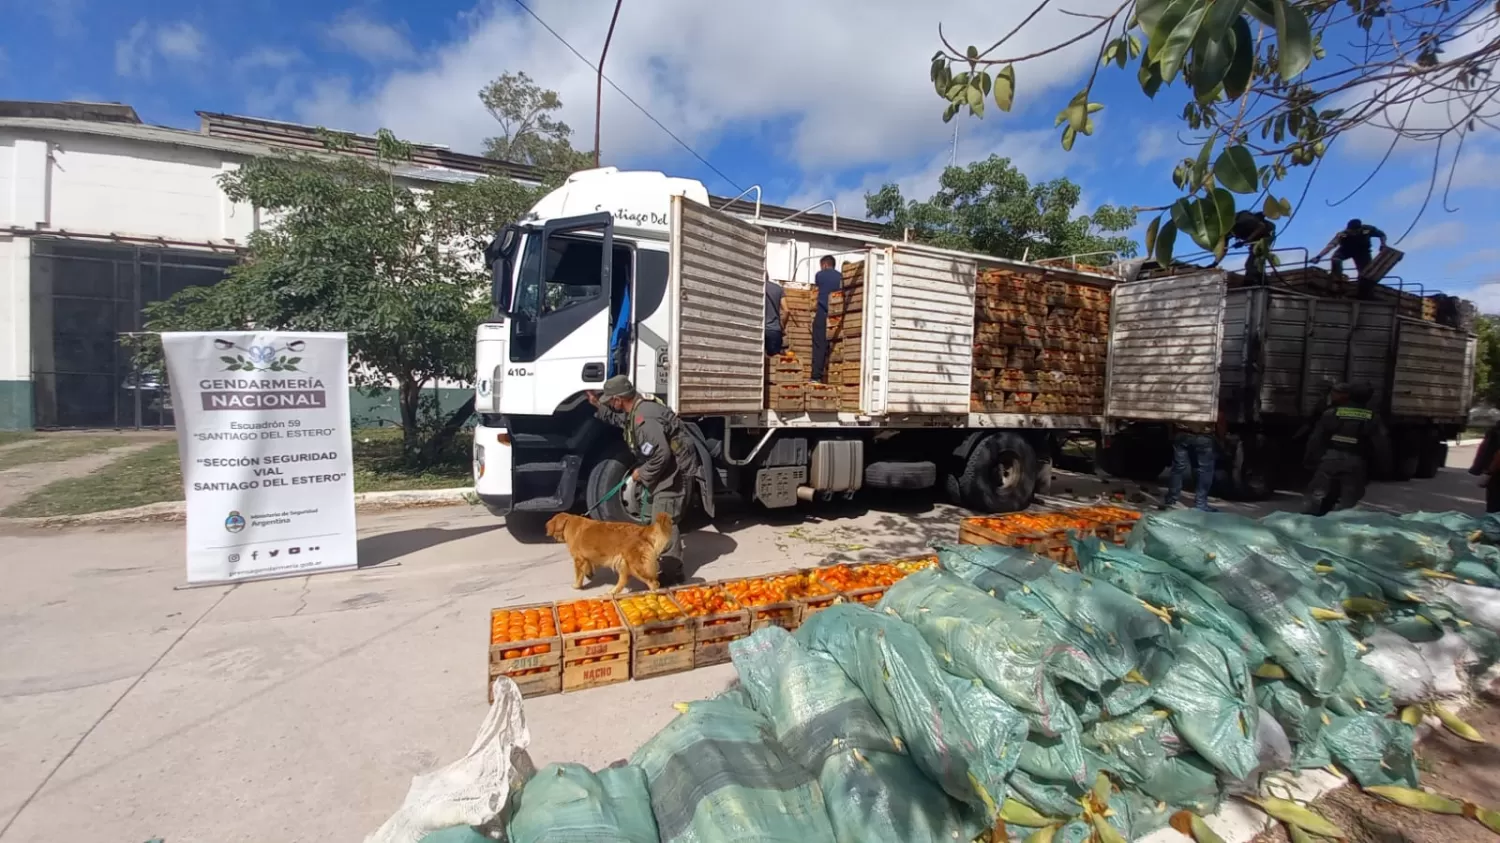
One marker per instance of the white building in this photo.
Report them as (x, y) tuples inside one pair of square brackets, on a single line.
[(101, 215)]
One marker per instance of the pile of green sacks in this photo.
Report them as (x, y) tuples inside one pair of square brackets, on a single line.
[(1208, 651)]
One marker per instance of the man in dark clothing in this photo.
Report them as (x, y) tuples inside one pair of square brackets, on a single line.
[(775, 327), (1251, 228), (828, 280), (1353, 243), (1192, 443), (1487, 465), (667, 456), (1339, 450)]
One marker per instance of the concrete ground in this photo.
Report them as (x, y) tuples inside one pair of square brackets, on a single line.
[(300, 709)]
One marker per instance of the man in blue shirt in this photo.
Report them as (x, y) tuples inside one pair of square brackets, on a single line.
[(619, 339), (828, 280)]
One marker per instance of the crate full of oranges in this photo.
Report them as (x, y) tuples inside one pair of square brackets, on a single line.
[(772, 600), (1115, 522), (862, 583), (811, 594), (596, 644), (524, 645), (655, 620), (718, 620)]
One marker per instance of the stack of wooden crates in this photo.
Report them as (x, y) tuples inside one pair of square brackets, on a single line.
[(1039, 344), (789, 387)]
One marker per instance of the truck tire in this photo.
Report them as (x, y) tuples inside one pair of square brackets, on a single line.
[(1406, 456), (1001, 474), (1433, 456), (527, 527), (888, 474), (608, 471), (1249, 479)]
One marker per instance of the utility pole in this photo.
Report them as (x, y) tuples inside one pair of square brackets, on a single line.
[(599, 85)]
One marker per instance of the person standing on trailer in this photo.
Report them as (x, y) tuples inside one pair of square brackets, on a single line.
[(775, 322), (1342, 445), (829, 280), (666, 455), (1353, 244)]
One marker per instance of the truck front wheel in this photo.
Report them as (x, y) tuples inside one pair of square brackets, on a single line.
[(1000, 475), (606, 474)]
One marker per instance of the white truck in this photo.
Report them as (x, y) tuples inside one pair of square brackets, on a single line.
[(691, 281)]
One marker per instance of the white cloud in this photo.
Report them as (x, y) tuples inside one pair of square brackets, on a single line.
[(1476, 257), (267, 58), (830, 86), (181, 41), (1485, 296), (135, 53), (1157, 143), (1434, 236), (369, 39)]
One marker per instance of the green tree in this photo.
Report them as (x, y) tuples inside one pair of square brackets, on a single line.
[(989, 206), (353, 249), (1487, 361), (529, 133), (1267, 87)]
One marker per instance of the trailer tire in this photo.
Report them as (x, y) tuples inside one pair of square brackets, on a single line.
[(1433, 456), (1248, 478), (1406, 459), (608, 471), (1000, 475), (888, 474)]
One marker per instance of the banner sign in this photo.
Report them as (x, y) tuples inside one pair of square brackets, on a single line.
[(267, 458)]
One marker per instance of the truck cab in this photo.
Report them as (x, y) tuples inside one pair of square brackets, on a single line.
[(579, 293)]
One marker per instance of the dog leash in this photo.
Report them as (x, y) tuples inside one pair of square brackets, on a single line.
[(645, 495)]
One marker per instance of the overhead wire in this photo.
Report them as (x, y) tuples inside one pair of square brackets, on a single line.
[(649, 116)]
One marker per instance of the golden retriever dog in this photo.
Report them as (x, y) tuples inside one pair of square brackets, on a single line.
[(632, 550)]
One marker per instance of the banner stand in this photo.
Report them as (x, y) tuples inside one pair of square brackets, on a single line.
[(264, 441), (188, 586)]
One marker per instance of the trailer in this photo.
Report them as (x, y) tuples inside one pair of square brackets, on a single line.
[(1259, 361), (926, 396)]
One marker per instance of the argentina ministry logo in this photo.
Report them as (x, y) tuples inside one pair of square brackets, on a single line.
[(234, 522), (260, 358)]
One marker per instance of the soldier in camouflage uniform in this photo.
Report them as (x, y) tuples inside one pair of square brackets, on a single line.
[(1346, 438), (667, 458)]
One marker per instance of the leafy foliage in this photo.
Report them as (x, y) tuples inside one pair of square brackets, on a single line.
[(529, 132), (1487, 361), (990, 206), (1252, 106), (351, 248)]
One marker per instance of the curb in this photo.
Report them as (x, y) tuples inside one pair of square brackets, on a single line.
[(177, 510)]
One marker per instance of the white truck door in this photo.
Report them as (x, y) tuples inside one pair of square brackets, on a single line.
[(567, 295), (1165, 338), (716, 285)]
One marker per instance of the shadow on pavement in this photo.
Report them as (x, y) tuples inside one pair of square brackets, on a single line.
[(376, 550)]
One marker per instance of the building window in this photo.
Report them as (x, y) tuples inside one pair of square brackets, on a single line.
[(85, 298)]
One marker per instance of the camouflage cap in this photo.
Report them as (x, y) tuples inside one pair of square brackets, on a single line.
[(618, 386)]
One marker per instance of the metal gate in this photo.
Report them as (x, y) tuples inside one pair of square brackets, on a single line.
[(85, 299)]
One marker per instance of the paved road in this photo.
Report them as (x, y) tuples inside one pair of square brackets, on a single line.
[(299, 709)]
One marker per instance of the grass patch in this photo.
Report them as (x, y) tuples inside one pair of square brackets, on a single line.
[(153, 476), (11, 437), (58, 448), (148, 476)]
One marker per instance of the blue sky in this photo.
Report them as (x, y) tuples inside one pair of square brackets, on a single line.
[(811, 101)]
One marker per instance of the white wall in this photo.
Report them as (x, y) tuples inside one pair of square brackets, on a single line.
[(15, 305)]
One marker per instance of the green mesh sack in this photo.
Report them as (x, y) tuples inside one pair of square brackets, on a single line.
[(1377, 538), (1207, 689), (1358, 565), (1377, 750), (1057, 757), (1052, 798), (1164, 586), (1134, 746), (1248, 566), (959, 733), (880, 797), (1098, 624), (717, 775), (814, 709), (1301, 715), (1363, 689), (565, 803), (1484, 528), (977, 637), (1185, 782)]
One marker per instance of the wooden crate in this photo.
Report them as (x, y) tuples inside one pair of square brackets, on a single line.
[(595, 672), (811, 604), (544, 650), (974, 531), (822, 398), (531, 682), (646, 662), (788, 397), (713, 651), (656, 634), (1115, 523), (594, 643)]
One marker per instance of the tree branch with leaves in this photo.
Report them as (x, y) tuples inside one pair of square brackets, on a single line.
[(529, 133), (1269, 86)]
